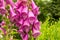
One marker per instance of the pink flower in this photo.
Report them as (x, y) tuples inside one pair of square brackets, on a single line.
[(35, 32), (36, 11), (19, 1), (25, 37), (36, 28), (1, 2), (26, 26), (20, 31), (12, 14), (33, 5), (24, 13), (26, 23), (20, 9), (2, 7), (22, 3), (37, 25), (2, 23), (31, 17), (2, 11), (19, 23)]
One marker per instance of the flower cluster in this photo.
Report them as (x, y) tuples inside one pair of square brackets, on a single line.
[(23, 14)]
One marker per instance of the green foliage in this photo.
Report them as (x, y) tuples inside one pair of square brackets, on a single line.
[(0, 18), (14, 0), (50, 32), (48, 8)]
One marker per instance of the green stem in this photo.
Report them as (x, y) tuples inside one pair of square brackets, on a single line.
[(34, 38)]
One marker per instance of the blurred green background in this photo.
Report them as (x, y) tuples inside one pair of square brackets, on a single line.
[(49, 18)]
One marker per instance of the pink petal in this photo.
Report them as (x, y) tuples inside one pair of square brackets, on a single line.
[(2, 7), (20, 9), (20, 31), (19, 23), (25, 37), (12, 13), (33, 5), (37, 25), (24, 13), (36, 11), (26, 26), (2, 4), (31, 17), (35, 32)]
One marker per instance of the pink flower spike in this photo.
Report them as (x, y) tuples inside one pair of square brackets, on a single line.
[(31, 17), (35, 32)]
